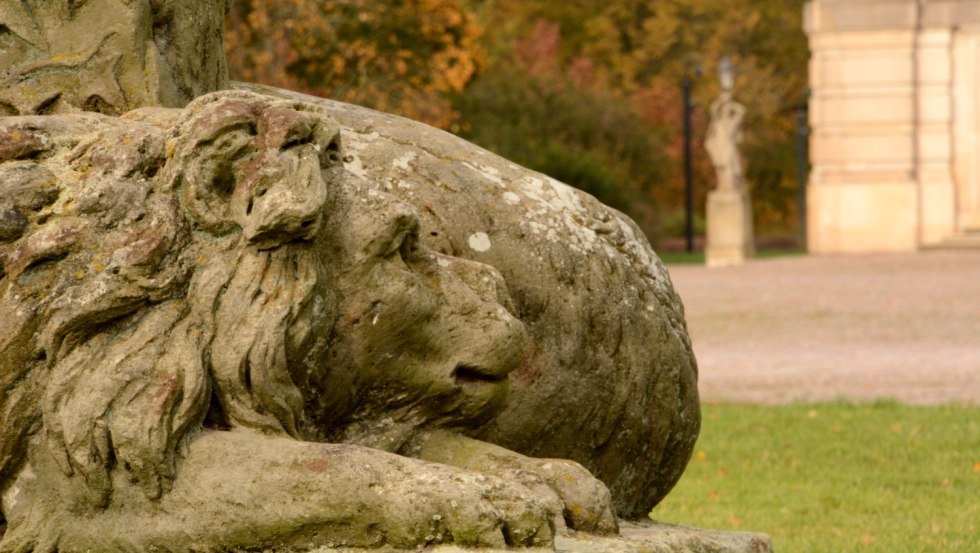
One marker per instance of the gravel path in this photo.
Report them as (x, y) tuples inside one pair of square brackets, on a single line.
[(900, 326)]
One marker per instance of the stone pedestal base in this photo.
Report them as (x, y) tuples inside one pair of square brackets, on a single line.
[(730, 237), (635, 537)]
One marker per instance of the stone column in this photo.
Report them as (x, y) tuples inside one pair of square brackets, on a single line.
[(893, 111), (729, 213), (108, 56)]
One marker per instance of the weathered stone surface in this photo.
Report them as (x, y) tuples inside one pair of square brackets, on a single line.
[(609, 379), (210, 312), (669, 538), (609, 357), (645, 537), (230, 265), (199, 299), (108, 56)]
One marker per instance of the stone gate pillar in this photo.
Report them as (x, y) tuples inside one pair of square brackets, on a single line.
[(894, 117)]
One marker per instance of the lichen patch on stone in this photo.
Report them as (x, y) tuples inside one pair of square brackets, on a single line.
[(355, 167), (479, 242), (491, 174), (405, 161)]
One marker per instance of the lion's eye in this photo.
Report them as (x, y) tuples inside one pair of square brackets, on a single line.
[(405, 246), (409, 248), (236, 143), (300, 135), (399, 241)]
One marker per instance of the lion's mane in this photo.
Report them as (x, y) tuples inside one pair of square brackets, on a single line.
[(130, 315)]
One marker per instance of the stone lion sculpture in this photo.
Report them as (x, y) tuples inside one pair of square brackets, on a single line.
[(609, 379), (198, 310)]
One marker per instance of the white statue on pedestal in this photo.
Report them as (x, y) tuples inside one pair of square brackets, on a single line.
[(724, 136), (729, 213)]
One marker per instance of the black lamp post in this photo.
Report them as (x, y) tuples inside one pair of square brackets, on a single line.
[(802, 164), (688, 173), (692, 70)]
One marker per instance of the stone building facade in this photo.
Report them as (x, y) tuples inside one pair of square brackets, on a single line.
[(895, 113)]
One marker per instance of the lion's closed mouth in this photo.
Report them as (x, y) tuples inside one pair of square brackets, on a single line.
[(468, 374)]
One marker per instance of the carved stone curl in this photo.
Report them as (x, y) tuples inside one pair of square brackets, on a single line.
[(195, 302)]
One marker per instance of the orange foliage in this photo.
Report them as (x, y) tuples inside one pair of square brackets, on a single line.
[(403, 56), (661, 105), (539, 52), (642, 49)]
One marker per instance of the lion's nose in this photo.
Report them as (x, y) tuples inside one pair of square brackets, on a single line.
[(283, 200), (284, 203), (481, 295)]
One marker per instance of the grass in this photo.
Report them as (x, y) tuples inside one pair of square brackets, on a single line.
[(671, 258), (697, 256), (834, 477)]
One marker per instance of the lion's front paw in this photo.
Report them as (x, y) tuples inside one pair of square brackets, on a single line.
[(588, 503), (527, 517), (446, 504), (577, 499)]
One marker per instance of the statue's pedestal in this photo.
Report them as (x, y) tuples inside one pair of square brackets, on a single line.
[(730, 237)]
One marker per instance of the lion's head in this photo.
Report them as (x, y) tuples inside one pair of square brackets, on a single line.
[(209, 266), (422, 339)]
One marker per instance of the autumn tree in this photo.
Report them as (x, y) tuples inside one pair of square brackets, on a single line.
[(642, 49), (654, 43), (408, 57), (555, 117), (587, 92)]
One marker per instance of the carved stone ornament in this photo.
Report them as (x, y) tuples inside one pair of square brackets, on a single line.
[(108, 56)]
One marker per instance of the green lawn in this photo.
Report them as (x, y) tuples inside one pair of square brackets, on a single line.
[(836, 477), (697, 257)]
